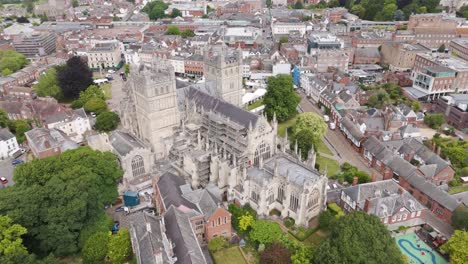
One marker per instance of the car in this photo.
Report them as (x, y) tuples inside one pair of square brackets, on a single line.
[(93, 115), (124, 78), (119, 209), (110, 71), (109, 78), (22, 150), (16, 162), (3, 180)]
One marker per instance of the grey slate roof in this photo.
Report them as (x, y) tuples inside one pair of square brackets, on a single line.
[(179, 231), (204, 200), (412, 145), (5, 134), (147, 238), (352, 128), (124, 142), (169, 188)]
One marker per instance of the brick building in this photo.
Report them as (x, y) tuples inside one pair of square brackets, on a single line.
[(367, 56), (459, 47), (454, 107), (401, 56), (194, 65)]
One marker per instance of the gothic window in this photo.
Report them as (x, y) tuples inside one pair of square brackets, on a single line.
[(280, 194), (262, 150), (293, 202), (313, 199), (138, 166), (254, 196)]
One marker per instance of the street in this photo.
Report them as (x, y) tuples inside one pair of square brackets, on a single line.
[(6, 170), (342, 149)]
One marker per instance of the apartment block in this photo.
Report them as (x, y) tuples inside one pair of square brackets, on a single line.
[(104, 55), (35, 44), (401, 56), (459, 48)]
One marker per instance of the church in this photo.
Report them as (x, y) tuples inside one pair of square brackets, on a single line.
[(208, 139)]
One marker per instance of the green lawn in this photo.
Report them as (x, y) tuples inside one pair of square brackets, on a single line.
[(106, 88), (316, 238), (255, 105), (322, 148), (284, 125), (229, 256), (332, 165), (458, 189)]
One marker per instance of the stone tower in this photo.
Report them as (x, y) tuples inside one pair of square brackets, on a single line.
[(224, 67), (155, 98)]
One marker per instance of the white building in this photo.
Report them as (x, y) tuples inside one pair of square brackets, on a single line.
[(104, 55), (312, 85), (74, 124), (283, 28), (281, 68), (179, 64), (8, 144)]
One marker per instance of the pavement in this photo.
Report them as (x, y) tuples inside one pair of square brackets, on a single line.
[(117, 93), (6, 170), (337, 143)]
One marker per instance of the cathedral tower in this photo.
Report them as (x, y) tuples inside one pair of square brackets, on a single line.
[(224, 67), (155, 98)]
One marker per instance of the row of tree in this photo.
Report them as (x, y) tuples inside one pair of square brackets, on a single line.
[(174, 30), (11, 61)]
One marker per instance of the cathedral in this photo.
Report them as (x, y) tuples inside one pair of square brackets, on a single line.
[(210, 140)]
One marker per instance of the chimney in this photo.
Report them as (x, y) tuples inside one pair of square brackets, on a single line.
[(148, 227), (355, 181), (366, 205)]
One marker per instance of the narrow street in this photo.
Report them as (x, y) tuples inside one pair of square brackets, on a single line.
[(338, 143)]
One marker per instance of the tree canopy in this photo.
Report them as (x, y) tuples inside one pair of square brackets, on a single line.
[(388, 10), (313, 122), (176, 13), (434, 120), (120, 247), (275, 253), (173, 30), (4, 120), (19, 127), (57, 197), (96, 105), (460, 218), (74, 77), (265, 232), (358, 238), (281, 98), (188, 33), (107, 121), (456, 247), (11, 242), (11, 61), (155, 9), (95, 249), (48, 85)]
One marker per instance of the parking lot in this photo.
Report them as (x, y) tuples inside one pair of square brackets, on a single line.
[(6, 170)]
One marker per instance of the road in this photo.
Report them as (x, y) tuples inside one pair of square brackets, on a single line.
[(6, 170), (339, 145)]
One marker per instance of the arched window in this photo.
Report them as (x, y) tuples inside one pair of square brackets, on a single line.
[(313, 199), (138, 166), (262, 150)]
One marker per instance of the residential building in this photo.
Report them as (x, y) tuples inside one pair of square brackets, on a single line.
[(401, 56), (433, 30), (244, 37), (73, 123), (104, 56), (323, 40), (325, 59), (312, 86), (286, 28), (194, 65), (392, 204), (8, 144), (35, 44), (366, 56), (179, 65), (459, 47), (370, 38), (454, 107), (48, 142)]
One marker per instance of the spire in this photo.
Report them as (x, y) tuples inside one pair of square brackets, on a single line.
[(300, 156), (234, 160), (286, 134), (260, 162), (250, 125), (295, 147), (274, 117), (199, 143), (325, 171), (275, 170)]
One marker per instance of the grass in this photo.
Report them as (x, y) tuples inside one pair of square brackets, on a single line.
[(332, 165), (230, 255), (322, 148), (255, 105), (316, 238), (106, 88), (284, 125), (458, 189)]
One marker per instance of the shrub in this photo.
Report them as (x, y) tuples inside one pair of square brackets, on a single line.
[(336, 210), (107, 121), (289, 222), (217, 244)]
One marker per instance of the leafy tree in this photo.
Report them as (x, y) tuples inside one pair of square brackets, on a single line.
[(265, 232), (358, 10), (176, 13), (305, 141), (155, 9), (93, 91), (127, 69), (217, 243), (379, 100), (399, 15), (460, 218), (19, 127), (456, 247), (56, 197), (96, 105), (299, 5), (188, 33), (348, 172), (358, 238), (48, 85), (416, 106), (314, 123), (107, 121), (441, 48), (325, 219), (269, 3), (4, 120), (100, 223), (12, 61), (6, 72), (74, 77), (275, 253), (75, 3), (173, 30), (95, 249), (434, 120), (11, 242), (246, 221), (280, 98), (22, 20), (283, 39), (120, 247)]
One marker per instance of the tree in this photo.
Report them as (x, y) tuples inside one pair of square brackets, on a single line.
[(460, 218), (280, 98), (217, 243), (265, 232), (358, 238), (6, 72), (314, 123), (155, 9), (176, 13), (441, 48), (399, 15), (96, 105), (11, 60), (75, 3), (11, 242), (48, 85), (275, 254), (93, 91), (456, 247), (379, 100), (22, 20), (358, 10), (173, 30), (107, 121), (95, 248), (325, 219), (74, 77), (188, 33), (127, 69), (305, 141), (120, 247), (434, 120), (245, 222), (416, 106), (57, 197), (19, 127), (299, 5), (269, 3), (4, 120)]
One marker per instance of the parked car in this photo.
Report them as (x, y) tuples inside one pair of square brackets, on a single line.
[(16, 162), (22, 150), (93, 115), (3, 180), (119, 209), (110, 71)]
